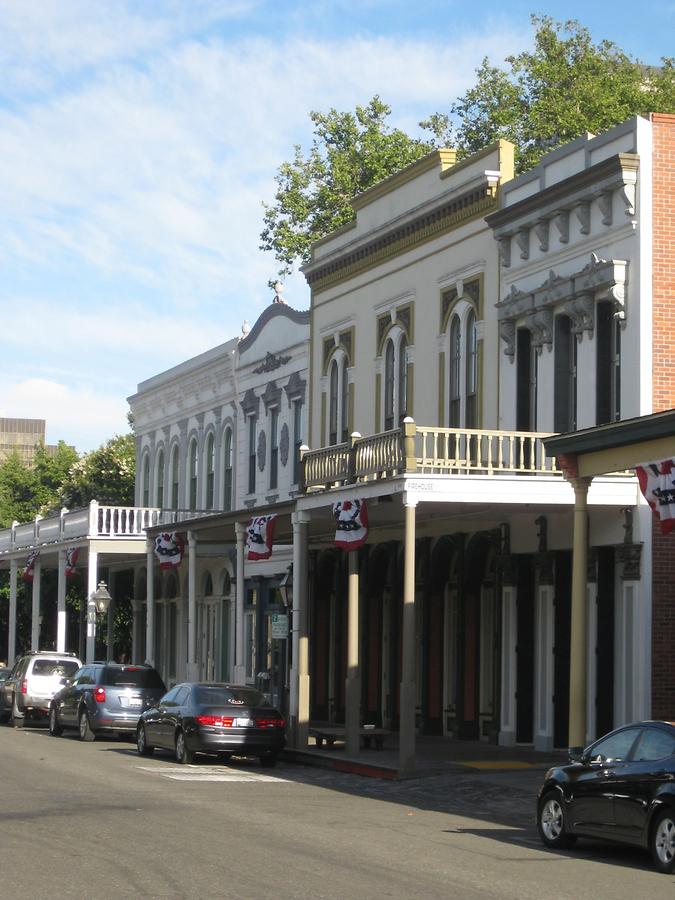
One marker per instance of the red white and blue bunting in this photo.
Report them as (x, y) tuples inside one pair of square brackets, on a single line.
[(31, 559), (169, 550), (351, 520), (657, 483), (71, 561), (260, 537)]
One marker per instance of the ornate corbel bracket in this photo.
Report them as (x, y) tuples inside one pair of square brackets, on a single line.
[(605, 203), (540, 324), (507, 332), (541, 231), (523, 240), (583, 214), (562, 223), (504, 245), (581, 310)]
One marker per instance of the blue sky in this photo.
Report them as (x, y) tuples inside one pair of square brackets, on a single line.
[(139, 139)]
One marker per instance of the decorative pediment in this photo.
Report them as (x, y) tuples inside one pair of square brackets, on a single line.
[(271, 363)]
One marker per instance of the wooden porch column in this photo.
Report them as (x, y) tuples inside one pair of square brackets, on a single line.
[(579, 623), (299, 699), (150, 604), (406, 751), (11, 636), (35, 613), (192, 607), (110, 655), (92, 584), (353, 681), (239, 670), (61, 604)]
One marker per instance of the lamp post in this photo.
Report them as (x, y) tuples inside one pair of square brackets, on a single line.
[(97, 603), (286, 587)]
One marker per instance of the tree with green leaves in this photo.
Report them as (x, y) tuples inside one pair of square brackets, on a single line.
[(107, 475), (350, 153), (565, 86), (31, 489)]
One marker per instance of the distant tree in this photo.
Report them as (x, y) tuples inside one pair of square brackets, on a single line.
[(565, 86), (107, 475), (350, 153), (31, 489)]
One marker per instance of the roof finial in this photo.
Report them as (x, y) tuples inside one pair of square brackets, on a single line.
[(278, 288)]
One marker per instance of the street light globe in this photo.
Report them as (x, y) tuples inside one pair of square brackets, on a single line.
[(101, 598)]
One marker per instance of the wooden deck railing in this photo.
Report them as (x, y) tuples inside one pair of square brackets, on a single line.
[(426, 450)]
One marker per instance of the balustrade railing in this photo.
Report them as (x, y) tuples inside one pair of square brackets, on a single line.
[(427, 450)]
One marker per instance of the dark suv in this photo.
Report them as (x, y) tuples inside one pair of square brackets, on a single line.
[(36, 677), (105, 697)]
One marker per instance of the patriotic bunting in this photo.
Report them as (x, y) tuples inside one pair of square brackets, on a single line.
[(169, 550), (71, 561), (30, 564), (260, 537), (351, 519), (657, 483)]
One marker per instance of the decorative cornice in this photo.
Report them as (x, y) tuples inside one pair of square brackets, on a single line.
[(437, 159)]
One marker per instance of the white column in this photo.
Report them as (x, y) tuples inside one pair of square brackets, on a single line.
[(592, 663), (353, 681), (299, 687), (136, 631), (239, 658), (92, 583), (150, 604), (507, 730), (579, 623), (543, 668), (61, 620), (11, 637), (35, 618), (111, 618), (192, 607), (407, 701)]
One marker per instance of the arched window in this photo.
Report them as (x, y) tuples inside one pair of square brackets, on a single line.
[(175, 477), (210, 469), (395, 378), (208, 585), (471, 342), (227, 469), (145, 481), (192, 474), (455, 395), (463, 366), (389, 385), (160, 478), (338, 401)]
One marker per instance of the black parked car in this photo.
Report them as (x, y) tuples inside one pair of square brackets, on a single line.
[(105, 697), (621, 788), (223, 719)]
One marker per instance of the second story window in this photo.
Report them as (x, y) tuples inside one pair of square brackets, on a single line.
[(251, 453), (192, 475), (395, 379), (297, 439), (227, 469), (145, 483), (608, 366), (274, 447), (463, 368), (565, 376), (160, 479), (175, 469), (338, 401), (210, 469)]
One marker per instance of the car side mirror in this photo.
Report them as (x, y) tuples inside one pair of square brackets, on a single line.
[(576, 754)]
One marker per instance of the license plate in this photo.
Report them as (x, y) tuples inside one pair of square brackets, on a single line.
[(243, 723), (131, 701)]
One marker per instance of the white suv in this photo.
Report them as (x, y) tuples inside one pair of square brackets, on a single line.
[(34, 680)]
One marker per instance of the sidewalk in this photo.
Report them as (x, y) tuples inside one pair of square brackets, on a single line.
[(434, 756)]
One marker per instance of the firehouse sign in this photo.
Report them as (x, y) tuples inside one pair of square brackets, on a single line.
[(279, 626)]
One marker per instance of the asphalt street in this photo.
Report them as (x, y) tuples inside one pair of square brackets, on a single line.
[(97, 821)]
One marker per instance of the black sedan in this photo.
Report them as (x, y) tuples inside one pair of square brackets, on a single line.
[(222, 719), (621, 788)]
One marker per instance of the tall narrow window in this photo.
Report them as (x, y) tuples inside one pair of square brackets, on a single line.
[(251, 453), (227, 470), (333, 403), (344, 405), (525, 405), (274, 447), (192, 474), (471, 343), (160, 479), (455, 395), (175, 469), (210, 469), (402, 381), (338, 401), (565, 376), (297, 439), (389, 383), (145, 497), (608, 365)]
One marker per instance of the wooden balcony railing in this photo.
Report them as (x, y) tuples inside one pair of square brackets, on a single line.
[(425, 450)]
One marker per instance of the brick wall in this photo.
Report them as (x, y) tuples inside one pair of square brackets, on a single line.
[(663, 397)]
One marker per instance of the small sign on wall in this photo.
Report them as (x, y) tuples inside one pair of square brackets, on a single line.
[(279, 626)]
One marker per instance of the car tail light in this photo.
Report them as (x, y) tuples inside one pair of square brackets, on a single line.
[(24, 687), (216, 721), (99, 694), (269, 723)]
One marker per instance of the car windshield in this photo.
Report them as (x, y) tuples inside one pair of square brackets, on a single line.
[(224, 696), (132, 676), (63, 667)]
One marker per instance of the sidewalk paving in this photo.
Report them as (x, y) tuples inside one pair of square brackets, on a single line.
[(434, 756)]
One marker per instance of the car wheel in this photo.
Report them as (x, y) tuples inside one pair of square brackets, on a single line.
[(16, 720), (551, 823), (662, 842), (144, 749), (54, 728), (268, 760), (183, 755), (86, 731)]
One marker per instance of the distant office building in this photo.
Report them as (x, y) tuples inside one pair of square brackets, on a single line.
[(22, 436)]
